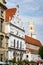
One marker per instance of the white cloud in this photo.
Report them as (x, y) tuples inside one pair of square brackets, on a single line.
[(27, 1)]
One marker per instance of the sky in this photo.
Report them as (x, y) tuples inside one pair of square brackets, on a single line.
[(30, 9)]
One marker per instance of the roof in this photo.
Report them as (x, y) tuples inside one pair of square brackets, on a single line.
[(32, 50), (32, 41), (9, 14)]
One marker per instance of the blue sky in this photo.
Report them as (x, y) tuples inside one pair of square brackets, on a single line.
[(30, 9)]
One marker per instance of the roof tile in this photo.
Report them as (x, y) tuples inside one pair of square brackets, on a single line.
[(32, 41), (9, 14)]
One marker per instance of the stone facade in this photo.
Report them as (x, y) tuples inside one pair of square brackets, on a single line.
[(3, 36)]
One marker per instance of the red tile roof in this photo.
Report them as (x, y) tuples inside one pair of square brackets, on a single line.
[(31, 50), (9, 14), (32, 41)]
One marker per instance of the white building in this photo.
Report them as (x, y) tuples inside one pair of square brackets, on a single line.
[(32, 47), (16, 42)]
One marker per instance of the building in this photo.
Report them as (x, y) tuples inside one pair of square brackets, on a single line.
[(16, 44), (31, 29), (32, 47), (3, 37)]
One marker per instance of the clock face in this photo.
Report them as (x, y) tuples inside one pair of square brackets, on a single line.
[(31, 27)]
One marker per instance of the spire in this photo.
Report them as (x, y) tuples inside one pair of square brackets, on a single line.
[(17, 6), (17, 13)]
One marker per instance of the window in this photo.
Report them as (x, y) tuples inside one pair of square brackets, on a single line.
[(1, 13), (0, 57), (6, 42), (1, 25), (14, 43), (17, 33), (20, 45), (26, 56), (0, 41), (12, 30), (17, 44), (21, 55)]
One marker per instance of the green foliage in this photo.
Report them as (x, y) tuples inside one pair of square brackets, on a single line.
[(6, 60), (20, 61), (14, 60), (26, 61), (41, 52)]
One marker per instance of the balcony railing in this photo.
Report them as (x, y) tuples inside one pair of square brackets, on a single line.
[(22, 49)]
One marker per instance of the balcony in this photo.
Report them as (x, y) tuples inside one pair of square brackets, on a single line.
[(18, 49)]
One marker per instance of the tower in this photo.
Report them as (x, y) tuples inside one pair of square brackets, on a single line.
[(31, 29), (2, 29)]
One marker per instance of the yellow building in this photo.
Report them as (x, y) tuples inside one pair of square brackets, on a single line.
[(3, 37)]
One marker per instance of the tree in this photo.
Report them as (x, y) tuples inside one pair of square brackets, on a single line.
[(20, 62), (14, 60), (26, 61), (41, 52)]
